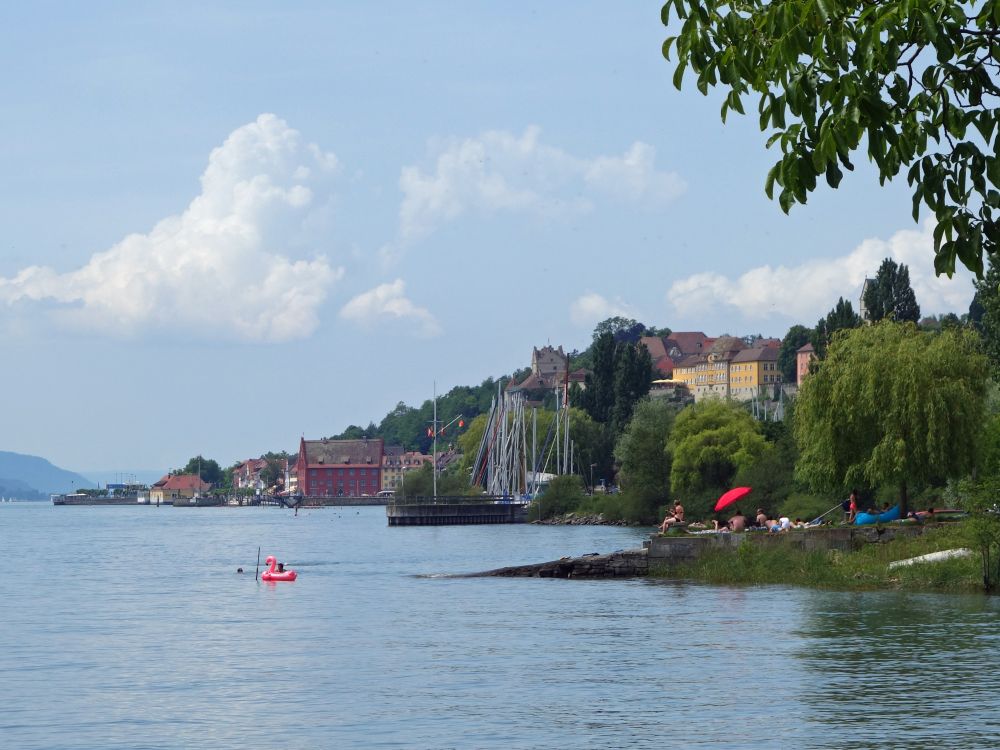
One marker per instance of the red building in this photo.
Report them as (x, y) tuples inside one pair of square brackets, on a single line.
[(339, 468)]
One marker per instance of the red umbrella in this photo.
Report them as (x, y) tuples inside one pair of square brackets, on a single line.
[(731, 497)]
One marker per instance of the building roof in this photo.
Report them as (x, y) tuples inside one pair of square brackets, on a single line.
[(656, 346), (687, 342), (664, 366), (252, 464), (758, 354), (182, 482), (725, 344), (530, 383), (334, 452), (805, 348), (539, 381), (392, 451)]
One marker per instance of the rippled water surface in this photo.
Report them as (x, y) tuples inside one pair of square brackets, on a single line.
[(130, 628)]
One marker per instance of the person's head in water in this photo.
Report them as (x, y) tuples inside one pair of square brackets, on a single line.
[(239, 570), (281, 567)]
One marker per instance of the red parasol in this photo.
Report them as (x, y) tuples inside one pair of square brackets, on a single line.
[(731, 497)]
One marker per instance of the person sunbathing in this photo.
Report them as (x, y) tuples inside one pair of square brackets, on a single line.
[(738, 522)]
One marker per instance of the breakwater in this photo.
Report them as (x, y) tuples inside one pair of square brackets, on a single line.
[(620, 564)]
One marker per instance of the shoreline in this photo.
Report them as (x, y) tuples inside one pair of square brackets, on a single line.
[(840, 558)]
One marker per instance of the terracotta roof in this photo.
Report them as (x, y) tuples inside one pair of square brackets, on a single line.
[(536, 381), (183, 482), (531, 382), (689, 342), (805, 348), (656, 346), (334, 452), (759, 354), (664, 366)]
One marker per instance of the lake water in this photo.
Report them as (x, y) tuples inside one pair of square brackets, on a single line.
[(130, 628)]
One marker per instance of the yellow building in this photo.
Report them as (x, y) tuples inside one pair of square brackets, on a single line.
[(396, 462), (754, 372), (708, 375)]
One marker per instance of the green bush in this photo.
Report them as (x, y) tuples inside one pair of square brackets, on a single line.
[(612, 507), (563, 495)]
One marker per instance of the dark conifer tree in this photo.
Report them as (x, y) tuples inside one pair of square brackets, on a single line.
[(890, 294)]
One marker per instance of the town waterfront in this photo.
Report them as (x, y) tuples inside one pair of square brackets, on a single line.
[(130, 628)]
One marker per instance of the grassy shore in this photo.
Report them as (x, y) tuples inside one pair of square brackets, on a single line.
[(865, 569)]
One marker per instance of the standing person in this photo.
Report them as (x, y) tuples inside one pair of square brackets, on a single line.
[(852, 506), (676, 517)]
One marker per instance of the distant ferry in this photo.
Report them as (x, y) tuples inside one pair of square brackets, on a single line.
[(112, 494), (81, 498)]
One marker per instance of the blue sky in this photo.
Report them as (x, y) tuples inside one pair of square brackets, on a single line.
[(233, 225)]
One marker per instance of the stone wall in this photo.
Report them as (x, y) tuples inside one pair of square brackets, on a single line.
[(670, 550)]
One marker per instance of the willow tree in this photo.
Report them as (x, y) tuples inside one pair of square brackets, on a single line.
[(892, 405), (711, 441), (912, 83)]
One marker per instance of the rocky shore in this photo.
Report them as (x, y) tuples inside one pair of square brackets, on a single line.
[(582, 519), (620, 564)]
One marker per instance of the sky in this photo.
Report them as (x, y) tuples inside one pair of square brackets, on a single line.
[(229, 225)]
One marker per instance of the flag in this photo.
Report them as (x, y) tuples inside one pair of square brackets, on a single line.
[(461, 423), (430, 432)]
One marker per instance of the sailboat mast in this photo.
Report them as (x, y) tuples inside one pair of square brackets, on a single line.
[(435, 451)]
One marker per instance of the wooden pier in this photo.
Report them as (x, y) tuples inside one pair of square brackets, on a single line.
[(454, 511)]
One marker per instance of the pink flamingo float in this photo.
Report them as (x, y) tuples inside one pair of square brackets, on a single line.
[(276, 575)]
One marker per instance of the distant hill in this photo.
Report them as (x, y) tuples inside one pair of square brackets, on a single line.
[(34, 478)]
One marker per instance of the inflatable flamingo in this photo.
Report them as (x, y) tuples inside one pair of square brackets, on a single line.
[(273, 575)]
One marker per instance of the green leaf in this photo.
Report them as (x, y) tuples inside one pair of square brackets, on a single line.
[(667, 44), (918, 194), (769, 182), (833, 174), (679, 75)]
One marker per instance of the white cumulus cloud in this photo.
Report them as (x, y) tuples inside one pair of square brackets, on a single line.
[(389, 302), (591, 308), (219, 269), (807, 291), (499, 171)]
